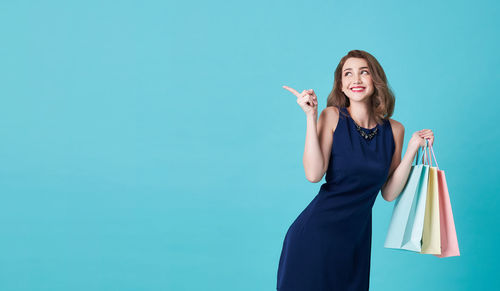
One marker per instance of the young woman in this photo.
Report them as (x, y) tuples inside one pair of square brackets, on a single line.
[(358, 146)]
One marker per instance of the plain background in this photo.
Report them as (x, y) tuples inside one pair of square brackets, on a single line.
[(149, 145)]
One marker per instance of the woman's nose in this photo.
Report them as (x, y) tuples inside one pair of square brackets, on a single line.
[(357, 78)]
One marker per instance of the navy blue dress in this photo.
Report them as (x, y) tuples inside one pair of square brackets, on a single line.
[(328, 246)]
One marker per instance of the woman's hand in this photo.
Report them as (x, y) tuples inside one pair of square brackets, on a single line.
[(307, 100), (418, 138)]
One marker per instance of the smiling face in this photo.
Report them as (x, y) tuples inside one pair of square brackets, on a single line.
[(355, 73)]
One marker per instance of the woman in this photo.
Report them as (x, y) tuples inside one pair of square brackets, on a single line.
[(358, 145)]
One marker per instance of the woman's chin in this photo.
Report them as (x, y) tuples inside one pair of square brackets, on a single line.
[(359, 97)]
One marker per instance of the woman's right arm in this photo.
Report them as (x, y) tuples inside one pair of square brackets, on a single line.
[(318, 145), (319, 135)]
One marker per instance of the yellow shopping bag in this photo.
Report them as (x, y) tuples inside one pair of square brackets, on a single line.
[(431, 235)]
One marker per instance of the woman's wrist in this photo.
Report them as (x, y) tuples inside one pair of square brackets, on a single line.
[(413, 147), (312, 117)]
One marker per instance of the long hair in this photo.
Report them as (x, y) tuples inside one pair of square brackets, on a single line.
[(382, 99)]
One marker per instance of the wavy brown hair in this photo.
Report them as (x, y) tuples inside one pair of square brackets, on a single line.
[(382, 99)]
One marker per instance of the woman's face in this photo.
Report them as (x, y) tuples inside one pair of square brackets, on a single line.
[(355, 73)]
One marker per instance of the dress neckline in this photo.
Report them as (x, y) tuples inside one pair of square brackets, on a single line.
[(349, 115)]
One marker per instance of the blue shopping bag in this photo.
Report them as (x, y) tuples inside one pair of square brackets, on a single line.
[(407, 221)]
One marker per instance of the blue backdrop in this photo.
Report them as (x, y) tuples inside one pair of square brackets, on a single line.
[(149, 145)]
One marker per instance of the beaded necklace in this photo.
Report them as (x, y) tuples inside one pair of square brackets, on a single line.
[(367, 136)]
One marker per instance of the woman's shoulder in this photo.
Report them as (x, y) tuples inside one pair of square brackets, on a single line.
[(396, 125), (330, 112), (398, 131), (330, 116)]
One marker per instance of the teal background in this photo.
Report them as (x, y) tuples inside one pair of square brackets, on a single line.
[(149, 145)]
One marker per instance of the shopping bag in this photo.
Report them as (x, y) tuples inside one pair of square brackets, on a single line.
[(449, 241), (406, 225), (431, 238), (413, 235)]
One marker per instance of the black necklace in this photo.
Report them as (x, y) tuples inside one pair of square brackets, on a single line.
[(365, 135)]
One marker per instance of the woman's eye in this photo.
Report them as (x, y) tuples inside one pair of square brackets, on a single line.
[(361, 72)]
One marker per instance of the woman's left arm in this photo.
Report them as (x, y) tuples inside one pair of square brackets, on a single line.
[(400, 169)]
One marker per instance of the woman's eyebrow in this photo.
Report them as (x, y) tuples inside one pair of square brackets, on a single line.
[(351, 68)]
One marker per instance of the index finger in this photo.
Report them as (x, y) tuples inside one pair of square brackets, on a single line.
[(292, 90)]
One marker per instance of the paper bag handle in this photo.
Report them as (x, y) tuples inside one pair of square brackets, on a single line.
[(424, 156), (432, 151)]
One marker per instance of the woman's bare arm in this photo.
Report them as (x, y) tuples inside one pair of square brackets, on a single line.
[(319, 134), (400, 169), (318, 144)]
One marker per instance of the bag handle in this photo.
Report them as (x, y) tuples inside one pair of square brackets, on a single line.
[(426, 149), (432, 151), (424, 156), (428, 158), (418, 155)]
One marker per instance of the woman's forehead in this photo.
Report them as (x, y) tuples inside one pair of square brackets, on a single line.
[(355, 63)]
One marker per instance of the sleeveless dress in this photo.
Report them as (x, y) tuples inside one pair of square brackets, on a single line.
[(328, 246)]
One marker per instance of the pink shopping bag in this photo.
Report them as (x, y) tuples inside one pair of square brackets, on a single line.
[(449, 241)]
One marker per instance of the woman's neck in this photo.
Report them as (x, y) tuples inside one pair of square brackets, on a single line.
[(362, 115)]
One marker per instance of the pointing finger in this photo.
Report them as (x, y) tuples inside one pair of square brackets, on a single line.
[(294, 92)]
